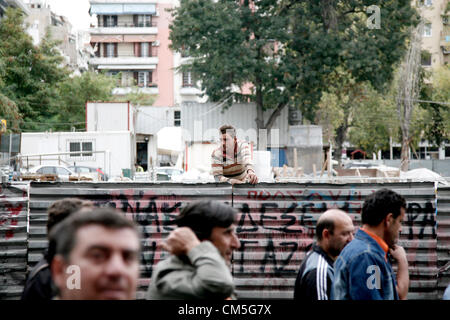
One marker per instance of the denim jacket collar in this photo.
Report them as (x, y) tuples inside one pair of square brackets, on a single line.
[(362, 235)]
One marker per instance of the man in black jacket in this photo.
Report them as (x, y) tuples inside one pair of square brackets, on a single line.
[(39, 285), (334, 230)]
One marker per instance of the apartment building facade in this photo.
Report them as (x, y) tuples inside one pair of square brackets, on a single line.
[(132, 38), (42, 18), (436, 32), (14, 4)]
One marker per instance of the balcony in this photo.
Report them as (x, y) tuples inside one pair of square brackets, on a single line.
[(190, 91), (125, 29), (126, 90), (117, 63)]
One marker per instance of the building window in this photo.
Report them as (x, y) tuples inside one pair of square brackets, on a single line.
[(426, 58), (109, 21), (427, 3), (427, 30), (177, 118), (145, 52), (142, 20), (85, 148), (111, 49), (144, 78), (187, 79)]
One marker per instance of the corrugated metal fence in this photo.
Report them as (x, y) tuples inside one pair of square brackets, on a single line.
[(443, 238), (13, 239), (276, 224), (277, 227)]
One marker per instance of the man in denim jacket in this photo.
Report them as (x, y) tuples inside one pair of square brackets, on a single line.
[(362, 271)]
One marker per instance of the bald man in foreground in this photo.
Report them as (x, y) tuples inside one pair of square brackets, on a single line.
[(334, 230)]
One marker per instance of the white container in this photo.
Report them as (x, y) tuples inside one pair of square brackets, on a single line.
[(261, 161)]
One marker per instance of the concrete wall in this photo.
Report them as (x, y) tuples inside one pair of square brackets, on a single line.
[(276, 227), (109, 116)]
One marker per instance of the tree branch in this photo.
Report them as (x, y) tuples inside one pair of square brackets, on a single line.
[(275, 114)]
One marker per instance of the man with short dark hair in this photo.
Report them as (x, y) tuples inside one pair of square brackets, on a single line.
[(97, 256), (362, 271), (201, 249), (334, 230), (39, 284), (231, 162)]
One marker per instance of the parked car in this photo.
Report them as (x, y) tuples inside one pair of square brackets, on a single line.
[(90, 171), (61, 172)]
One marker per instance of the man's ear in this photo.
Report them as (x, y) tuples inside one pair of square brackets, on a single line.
[(58, 269), (388, 220), (325, 234)]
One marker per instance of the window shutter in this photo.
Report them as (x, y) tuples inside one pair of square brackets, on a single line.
[(150, 77), (115, 21), (99, 20), (139, 49), (105, 52), (105, 23), (115, 49), (135, 75), (135, 20)]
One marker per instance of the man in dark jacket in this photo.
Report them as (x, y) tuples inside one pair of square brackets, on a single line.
[(201, 249), (39, 284), (363, 270), (334, 230)]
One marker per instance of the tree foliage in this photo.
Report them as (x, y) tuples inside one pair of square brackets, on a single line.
[(31, 73), (37, 92), (287, 49), (75, 92), (437, 115)]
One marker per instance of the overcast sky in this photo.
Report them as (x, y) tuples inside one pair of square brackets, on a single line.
[(77, 11)]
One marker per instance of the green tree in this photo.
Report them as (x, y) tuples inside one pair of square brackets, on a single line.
[(31, 73), (437, 122), (137, 97), (8, 109), (287, 49), (75, 92), (375, 123)]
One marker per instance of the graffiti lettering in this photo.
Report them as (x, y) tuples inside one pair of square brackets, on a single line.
[(414, 211), (271, 257)]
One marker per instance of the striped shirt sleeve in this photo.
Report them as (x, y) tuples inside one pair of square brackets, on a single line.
[(244, 155), (217, 166)]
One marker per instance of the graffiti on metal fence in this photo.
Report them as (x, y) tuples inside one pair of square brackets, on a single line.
[(289, 216), (9, 211)]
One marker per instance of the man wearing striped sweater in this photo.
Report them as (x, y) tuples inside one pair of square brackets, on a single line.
[(334, 230), (231, 162)]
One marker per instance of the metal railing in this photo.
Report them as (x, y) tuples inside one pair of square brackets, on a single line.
[(126, 25)]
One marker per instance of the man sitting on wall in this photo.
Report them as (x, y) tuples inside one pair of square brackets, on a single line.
[(231, 162)]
